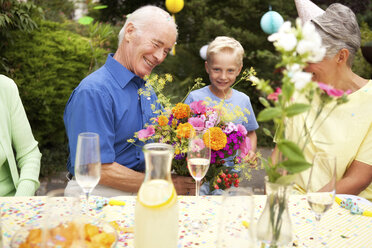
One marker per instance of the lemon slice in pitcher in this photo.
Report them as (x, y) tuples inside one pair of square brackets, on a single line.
[(156, 193)]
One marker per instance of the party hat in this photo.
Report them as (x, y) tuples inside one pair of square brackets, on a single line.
[(307, 10)]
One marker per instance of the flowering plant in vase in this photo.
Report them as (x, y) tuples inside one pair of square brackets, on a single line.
[(175, 124), (297, 46)]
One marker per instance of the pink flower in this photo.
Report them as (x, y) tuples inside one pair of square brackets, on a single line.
[(145, 133), (231, 127), (245, 147), (198, 107), (197, 145), (332, 91), (209, 124), (242, 129), (196, 122), (274, 96)]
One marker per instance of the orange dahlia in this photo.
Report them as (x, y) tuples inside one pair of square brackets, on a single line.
[(181, 110), (185, 130), (218, 139), (162, 120)]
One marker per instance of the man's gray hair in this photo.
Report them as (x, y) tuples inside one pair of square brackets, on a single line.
[(339, 29), (141, 17)]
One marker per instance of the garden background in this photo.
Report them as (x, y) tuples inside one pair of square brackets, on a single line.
[(47, 52)]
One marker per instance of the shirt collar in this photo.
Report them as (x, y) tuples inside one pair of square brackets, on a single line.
[(120, 73)]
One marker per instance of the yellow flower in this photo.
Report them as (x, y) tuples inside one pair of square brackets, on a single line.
[(181, 111), (185, 130), (162, 120), (174, 123), (168, 77), (218, 139)]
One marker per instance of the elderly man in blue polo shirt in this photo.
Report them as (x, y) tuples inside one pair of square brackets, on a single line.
[(107, 102)]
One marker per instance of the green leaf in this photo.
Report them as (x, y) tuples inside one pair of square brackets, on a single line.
[(296, 166), (290, 150), (264, 102), (267, 132), (288, 90), (100, 7), (285, 180), (85, 20), (269, 114), (296, 109)]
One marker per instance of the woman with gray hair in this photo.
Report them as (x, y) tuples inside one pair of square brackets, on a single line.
[(347, 132)]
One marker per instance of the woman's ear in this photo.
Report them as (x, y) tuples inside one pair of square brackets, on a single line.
[(343, 56)]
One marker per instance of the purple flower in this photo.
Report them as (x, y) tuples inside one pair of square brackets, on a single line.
[(220, 154), (170, 120), (179, 156)]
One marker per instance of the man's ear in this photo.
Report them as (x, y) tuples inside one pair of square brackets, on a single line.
[(129, 32), (343, 56)]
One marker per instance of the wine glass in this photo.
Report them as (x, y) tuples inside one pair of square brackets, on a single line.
[(62, 223), (88, 163), (236, 219), (198, 160), (321, 192)]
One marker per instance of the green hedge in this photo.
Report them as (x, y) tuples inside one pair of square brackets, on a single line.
[(47, 64)]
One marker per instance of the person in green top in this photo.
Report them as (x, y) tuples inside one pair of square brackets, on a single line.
[(19, 152)]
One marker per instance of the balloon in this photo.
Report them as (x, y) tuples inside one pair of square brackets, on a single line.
[(271, 22), (174, 6), (203, 52)]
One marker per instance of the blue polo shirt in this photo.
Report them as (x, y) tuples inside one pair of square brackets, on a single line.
[(107, 102)]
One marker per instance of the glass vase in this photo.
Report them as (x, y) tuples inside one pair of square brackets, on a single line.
[(274, 227)]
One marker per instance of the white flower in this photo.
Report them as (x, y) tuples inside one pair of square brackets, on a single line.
[(287, 41), (284, 38), (293, 68), (301, 79), (285, 27), (311, 44), (318, 55), (254, 79)]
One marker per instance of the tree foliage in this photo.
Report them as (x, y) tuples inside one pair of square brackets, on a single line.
[(56, 10), (47, 64), (15, 15)]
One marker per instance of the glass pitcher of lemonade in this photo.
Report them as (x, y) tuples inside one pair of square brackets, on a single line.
[(156, 212)]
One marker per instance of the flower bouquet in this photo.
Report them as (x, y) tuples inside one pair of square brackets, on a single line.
[(176, 124)]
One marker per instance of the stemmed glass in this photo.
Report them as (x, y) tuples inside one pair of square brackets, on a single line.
[(88, 163), (198, 160), (236, 219), (321, 192)]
